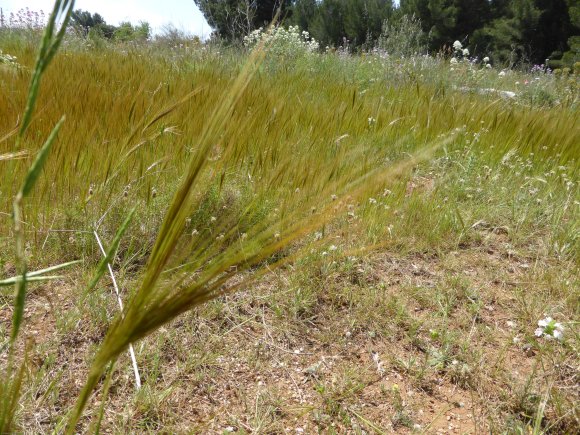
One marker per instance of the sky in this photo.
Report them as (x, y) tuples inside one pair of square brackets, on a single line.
[(183, 14)]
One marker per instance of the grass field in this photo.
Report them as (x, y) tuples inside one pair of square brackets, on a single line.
[(373, 240)]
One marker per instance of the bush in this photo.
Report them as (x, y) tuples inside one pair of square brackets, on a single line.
[(403, 37), (281, 42)]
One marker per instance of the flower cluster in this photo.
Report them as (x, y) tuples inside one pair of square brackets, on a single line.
[(7, 59), (540, 69), (460, 52), (27, 19), (549, 329), (283, 42)]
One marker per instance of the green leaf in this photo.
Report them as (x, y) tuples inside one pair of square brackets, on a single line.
[(52, 268), (38, 164), (18, 306), (48, 48), (17, 279), (102, 267)]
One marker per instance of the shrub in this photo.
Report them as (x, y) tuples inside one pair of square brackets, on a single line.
[(281, 42), (404, 37)]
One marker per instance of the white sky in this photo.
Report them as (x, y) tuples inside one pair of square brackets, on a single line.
[(183, 14)]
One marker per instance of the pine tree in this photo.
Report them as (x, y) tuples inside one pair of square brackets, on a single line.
[(363, 20), (471, 15), (327, 25), (443, 19), (303, 12), (554, 29), (511, 38)]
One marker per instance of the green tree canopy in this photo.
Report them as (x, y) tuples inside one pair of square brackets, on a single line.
[(233, 19)]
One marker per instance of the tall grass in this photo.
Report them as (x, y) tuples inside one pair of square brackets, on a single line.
[(230, 163), (11, 381)]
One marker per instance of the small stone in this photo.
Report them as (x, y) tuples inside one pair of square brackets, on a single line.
[(313, 370), (528, 350)]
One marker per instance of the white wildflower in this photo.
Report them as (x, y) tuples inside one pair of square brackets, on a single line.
[(457, 45), (486, 59), (465, 52), (453, 60), (549, 329)]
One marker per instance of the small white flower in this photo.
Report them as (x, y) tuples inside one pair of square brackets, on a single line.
[(457, 45), (545, 322), (501, 73), (332, 248), (548, 328), (465, 52), (488, 66), (486, 59), (453, 60)]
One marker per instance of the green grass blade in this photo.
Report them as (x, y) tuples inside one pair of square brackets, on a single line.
[(48, 48), (102, 267), (9, 400), (18, 306), (106, 386), (52, 268), (36, 168), (29, 279)]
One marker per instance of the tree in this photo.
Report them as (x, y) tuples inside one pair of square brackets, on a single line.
[(127, 32), (512, 38), (471, 15), (363, 20), (84, 22), (439, 19), (327, 25), (303, 12), (555, 27), (233, 19), (572, 56)]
